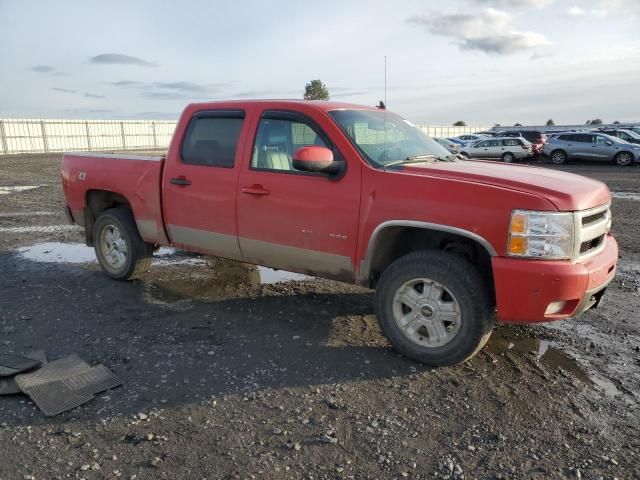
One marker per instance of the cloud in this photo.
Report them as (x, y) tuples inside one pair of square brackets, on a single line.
[(126, 83), (118, 58), (190, 87), (43, 69), (490, 31), (578, 12), (158, 95), (92, 95), (63, 90), (348, 92), (518, 3)]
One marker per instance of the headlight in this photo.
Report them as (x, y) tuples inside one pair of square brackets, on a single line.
[(546, 235)]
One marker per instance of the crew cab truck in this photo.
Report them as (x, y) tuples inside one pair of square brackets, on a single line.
[(359, 195)]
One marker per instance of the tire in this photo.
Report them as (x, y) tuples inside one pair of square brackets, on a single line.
[(115, 231), (430, 336), (623, 159), (558, 157), (508, 157)]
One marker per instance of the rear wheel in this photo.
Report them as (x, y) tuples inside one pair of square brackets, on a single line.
[(623, 159), (120, 250), (558, 157), (434, 307), (508, 157)]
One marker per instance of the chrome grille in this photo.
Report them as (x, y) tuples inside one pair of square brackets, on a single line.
[(591, 232)]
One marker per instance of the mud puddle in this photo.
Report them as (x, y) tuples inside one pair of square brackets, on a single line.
[(549, 355)]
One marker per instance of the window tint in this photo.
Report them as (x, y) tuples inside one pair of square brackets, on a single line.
[(624, 136), (495, 143), (277, 140), (511, 142), (211, 141), (581, 138)]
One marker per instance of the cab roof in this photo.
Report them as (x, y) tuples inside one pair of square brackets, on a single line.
[(323, 105)]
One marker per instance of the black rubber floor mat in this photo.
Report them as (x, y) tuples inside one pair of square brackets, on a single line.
[(96, 380), (56, 397), (11, 364), (65, 384), (8, 385), (60, 369)]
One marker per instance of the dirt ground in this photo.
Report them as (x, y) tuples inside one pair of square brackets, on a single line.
[(229, 375)]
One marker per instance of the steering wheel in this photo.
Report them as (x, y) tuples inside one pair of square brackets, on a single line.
[(387, 153)]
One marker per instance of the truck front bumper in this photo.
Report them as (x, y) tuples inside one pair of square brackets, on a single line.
[(533, 291)]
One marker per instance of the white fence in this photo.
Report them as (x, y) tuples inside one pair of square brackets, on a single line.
[(44, 136)]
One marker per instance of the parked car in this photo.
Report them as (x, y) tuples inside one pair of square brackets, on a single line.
[(452, 147), (471, 137), (358, 195), (508, 149), (488, 133), (626, 135), (535, 137), (457, 141), (590, 146)]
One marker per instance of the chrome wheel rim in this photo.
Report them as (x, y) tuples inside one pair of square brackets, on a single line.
[(557, 157), (426, 312), (624, 159), (113, 247)]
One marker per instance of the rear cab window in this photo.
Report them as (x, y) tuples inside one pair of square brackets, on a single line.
[(211, 139)]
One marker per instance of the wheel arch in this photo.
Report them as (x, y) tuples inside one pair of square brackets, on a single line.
[(393, 239), (96, 202)]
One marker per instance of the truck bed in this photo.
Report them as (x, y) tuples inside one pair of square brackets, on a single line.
[(135, 178)]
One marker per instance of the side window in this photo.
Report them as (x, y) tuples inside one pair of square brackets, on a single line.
[(211, 141), (511, 143), (482, 144), (278, 139), (581, 138), (623, 135), (495, 143), (599, 140)]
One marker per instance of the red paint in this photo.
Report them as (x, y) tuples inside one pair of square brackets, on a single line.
[(308, 211)]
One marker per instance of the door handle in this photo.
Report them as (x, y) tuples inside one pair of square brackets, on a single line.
[(182, 181), (255, 190)]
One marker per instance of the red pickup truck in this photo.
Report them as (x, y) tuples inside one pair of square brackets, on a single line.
[(359, 195)]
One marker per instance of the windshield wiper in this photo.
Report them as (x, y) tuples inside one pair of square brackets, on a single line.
[(416, 159)]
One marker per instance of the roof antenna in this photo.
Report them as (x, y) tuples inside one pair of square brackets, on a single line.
[(383, 105)]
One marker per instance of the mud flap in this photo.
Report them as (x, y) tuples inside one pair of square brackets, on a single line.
[(8, 385), (12, 364)]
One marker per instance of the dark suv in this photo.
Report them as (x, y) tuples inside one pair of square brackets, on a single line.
[(535, 137)]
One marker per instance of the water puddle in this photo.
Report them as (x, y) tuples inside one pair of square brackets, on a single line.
[(548, 355), (39, 229), (15, 189), (27, 214), (212, 278), (626, 195)]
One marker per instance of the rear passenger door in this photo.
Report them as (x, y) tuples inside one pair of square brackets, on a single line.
[(293, 220), (581, 146), (199, 185)]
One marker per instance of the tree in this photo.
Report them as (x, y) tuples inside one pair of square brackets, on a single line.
[(550, 123), (316, 90), (596, 121), (616, 122), (517, 124), (497, 125), (459, 123), (588, 122)]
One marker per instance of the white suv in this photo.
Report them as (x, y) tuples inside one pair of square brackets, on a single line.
[(508, 149)]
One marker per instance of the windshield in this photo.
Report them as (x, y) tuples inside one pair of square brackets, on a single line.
[(384, 138)]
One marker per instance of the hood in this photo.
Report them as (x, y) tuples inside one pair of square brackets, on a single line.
[(566, 191)]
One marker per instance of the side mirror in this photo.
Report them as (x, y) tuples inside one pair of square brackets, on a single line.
[(316, 160)]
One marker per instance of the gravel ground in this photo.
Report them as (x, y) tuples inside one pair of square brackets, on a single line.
[(228, 375)]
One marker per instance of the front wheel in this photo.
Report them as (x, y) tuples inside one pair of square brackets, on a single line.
[(120, 250), (434, 307), (624, 159)]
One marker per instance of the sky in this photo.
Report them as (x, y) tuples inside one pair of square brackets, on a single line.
[(481, 61)]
